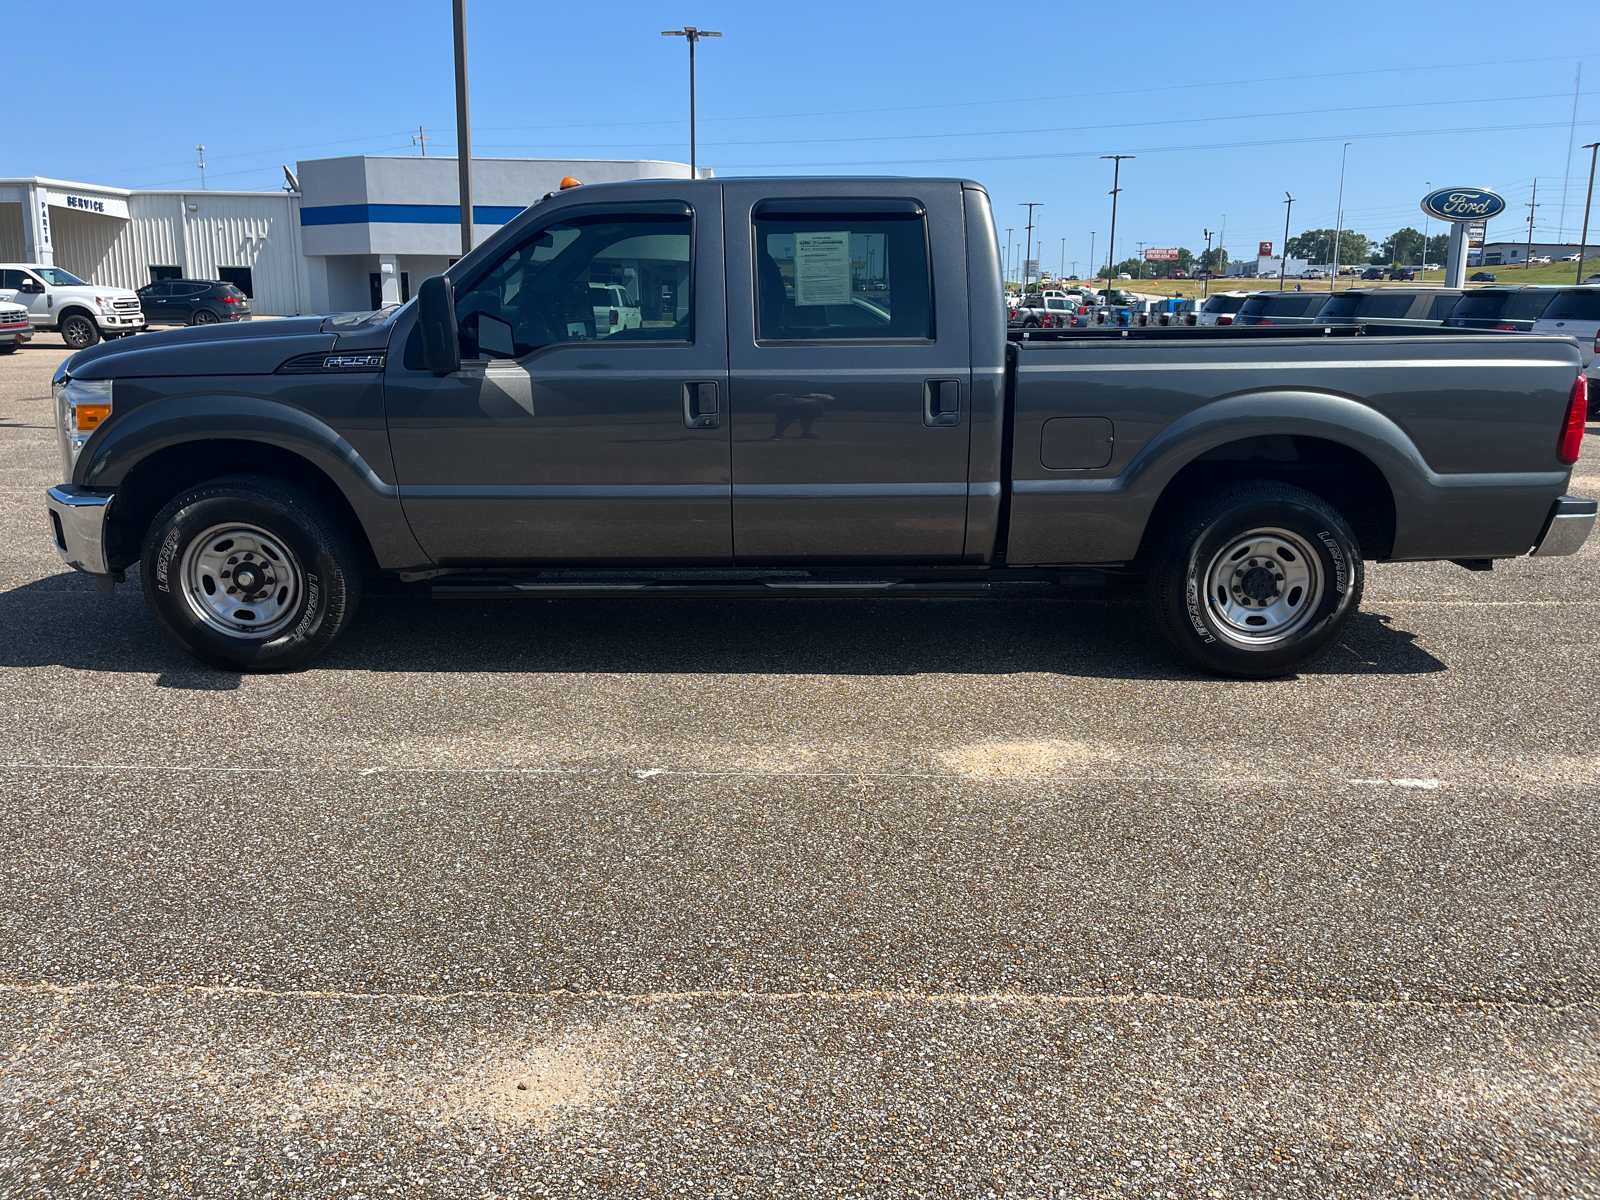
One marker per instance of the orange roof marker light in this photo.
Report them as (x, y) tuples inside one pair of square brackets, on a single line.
[(570, 182)]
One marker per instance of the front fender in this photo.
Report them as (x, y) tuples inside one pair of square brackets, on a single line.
[(214, 416), (1436, 515)]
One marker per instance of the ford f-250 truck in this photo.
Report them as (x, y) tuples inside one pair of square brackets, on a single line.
[(820, 399)]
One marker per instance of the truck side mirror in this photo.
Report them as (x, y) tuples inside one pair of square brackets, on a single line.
[(436, 317), (32, 286)]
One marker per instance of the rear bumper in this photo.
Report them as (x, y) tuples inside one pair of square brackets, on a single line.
[(78, 525), (1568, 528)]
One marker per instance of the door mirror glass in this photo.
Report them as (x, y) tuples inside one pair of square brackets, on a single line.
[(436, 320)]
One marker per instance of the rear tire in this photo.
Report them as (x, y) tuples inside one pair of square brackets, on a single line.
[(204, 316), (248, 573), (79, 331), (1258, 579)]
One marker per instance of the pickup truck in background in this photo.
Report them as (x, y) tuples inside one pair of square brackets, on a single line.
[(58, 301), (776, 429), (15, 328)]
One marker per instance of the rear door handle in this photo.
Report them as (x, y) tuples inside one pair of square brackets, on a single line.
[(941, 403), (700, 407)]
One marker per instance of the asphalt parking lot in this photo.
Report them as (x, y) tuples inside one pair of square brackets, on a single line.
[(899, 898)]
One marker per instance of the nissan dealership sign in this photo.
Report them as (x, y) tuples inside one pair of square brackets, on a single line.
[(1463, 204)]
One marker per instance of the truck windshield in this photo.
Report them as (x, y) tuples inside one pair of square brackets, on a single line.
[(56, 277)]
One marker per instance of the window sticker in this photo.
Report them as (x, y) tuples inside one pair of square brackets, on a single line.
[(822, 268)]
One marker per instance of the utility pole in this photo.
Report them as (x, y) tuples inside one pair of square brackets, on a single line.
[(1205, 284), (1283, 263), (1141, 258), (1092, 259), (693, 35), (463, 128), (1532, 204), (1116, 186), (1594, 149), (1063, 270), (1339, 221), (419, 138), (202, 151), (1009, 231), (1027, 254)]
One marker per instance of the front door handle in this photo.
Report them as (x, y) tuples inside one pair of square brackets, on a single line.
[(941, 403), (700, 407)]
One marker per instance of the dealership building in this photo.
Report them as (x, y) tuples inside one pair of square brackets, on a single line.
[(359, 232)]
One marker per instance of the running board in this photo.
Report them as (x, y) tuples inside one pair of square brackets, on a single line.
[(679, 590)]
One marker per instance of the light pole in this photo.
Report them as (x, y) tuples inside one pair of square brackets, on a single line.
[(1211, 266), (1092, 258), (1283, 263), (1339, 220), (1423, 273), (1027, 254), (1063, 270), (463, 128), (693, 35), (1009, 231), (202, 152), (1116, 186), (1594, 149)]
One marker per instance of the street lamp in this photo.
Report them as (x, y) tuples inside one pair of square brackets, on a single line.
[(1594, 149), (1092, 258), (1116, 186), (1205, 284), (1283, 262), (693, 35), (1333, 276), (1423, 273)]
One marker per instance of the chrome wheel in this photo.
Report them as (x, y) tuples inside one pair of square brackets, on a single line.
[(1263, 586), (242, 581)]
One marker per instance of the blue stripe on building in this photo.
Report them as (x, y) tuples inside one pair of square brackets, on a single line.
[(405, 214)]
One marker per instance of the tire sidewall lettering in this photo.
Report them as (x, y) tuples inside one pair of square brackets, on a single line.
[(1341, 583)]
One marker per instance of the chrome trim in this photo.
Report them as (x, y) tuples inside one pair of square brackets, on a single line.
[(1571, 519), (79, 527), (563, 491), (836, 491), (1336, 364)]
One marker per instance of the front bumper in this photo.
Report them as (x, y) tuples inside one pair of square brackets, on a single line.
[(78, 524), (15, 335), (1568, 528), (120, 320)]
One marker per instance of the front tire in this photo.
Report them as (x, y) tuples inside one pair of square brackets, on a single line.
[(1260, 579), (248, 573), (79, 331)]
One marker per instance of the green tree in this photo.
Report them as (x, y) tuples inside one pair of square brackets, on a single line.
[(1215, 260), (1316, 245), (1403, 247), (1439, 248)]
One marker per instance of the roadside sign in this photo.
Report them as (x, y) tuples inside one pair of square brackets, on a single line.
[(1463, 204), (1264, 250), (1168, 255)]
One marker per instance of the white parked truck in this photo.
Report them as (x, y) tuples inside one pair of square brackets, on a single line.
[(58, 301), (15, 328)]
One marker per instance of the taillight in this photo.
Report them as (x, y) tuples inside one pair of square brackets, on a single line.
[(1263, 321), (613, 316), (1504, 328), (230, 299), (1577, 414)]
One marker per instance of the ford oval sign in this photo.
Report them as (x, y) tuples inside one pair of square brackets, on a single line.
[(1463, 204)]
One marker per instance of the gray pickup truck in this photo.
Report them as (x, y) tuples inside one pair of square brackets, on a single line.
[(819, 398)]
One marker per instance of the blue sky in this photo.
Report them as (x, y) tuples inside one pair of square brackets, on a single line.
[(1226, 106)]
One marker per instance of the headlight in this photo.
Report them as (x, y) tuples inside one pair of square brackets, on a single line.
[(81, 406)]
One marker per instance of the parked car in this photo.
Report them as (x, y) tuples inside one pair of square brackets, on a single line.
[(1575, 312), (1569, 258), (481, 434), (1405, 274), (1420, 305), (1372, 273), (1313, 273), (1281, 308), (1123, 275), (1508, 309), (15, 328), (1487, 277), (1220, 308), (59, 302), (1540, 259), (192, 302), (614, 309)]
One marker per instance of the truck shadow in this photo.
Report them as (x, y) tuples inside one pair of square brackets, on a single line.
[(1095, 632)]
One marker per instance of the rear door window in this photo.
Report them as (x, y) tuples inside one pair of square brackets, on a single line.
[(1386, 307), (1253, 306), (1481, 306), (1442, 307), (1527, 306), (845, 275), (1341, 307), (1574, 306)]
